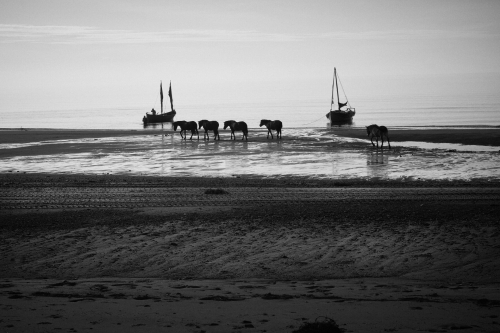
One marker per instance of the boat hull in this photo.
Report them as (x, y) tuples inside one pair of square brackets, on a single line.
[(159, 118), (340, 116)]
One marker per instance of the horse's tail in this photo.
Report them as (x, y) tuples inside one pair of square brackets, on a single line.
[(384, 130), (279, 124)]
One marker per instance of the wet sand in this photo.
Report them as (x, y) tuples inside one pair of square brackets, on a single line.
[(315, 153), (419, 256)]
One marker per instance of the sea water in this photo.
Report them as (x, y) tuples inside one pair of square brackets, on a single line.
[(402, 110), (314, 153)]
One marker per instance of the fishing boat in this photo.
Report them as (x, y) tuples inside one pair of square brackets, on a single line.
[(154, 117), (338, 115)]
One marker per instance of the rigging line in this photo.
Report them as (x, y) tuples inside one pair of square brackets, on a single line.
[(313, 121), (343, 91)]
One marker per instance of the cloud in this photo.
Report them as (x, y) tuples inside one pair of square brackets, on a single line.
[(16, 33)]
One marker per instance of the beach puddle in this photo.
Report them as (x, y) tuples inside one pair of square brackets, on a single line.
[(302, 152)]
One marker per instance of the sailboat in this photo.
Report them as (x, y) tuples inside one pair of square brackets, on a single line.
[(154, 117), (339, 115)]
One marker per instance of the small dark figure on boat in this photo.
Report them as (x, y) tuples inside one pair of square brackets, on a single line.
[(153, 111), (378, 132), (276, 125)]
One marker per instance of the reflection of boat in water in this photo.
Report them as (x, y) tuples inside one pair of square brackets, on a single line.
[(154, 117), (339, 116)]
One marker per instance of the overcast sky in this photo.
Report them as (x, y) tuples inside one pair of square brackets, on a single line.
[(62, 53)]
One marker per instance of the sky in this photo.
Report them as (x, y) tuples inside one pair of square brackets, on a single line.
[(76, 54)]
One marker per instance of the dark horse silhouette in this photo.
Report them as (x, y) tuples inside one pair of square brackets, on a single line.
[(378, 132), (272, 125), (210, 126), (185, 126), (237, 126)]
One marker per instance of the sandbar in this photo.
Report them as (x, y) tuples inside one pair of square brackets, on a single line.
[(466, 136)]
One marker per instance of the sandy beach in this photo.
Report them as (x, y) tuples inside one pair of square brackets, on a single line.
[(243, 253), (253, 255)]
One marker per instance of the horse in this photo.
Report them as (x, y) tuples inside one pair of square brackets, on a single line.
[(176, 124), (210, 126), (237, 126), (272, 125), (378, 132), (187, 125)]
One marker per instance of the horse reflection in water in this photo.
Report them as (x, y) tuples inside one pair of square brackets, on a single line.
[(237, 126), (276, 125), (378, 132), (377, 158), (185, 126), (378, 164), (209, 126)]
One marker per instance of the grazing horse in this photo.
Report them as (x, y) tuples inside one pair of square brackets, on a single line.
[(378, 132), (272, 125), (237, 126), (210, 126), (185, 126)]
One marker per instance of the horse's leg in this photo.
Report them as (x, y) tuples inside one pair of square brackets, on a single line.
[(371, 138), (388, 143), (270, 131)]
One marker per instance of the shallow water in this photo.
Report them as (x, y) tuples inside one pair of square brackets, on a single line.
[(303, 152)]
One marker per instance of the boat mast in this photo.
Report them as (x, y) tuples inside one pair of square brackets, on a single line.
[(337, 86), (333, 88), (170, 95), (161, 97)]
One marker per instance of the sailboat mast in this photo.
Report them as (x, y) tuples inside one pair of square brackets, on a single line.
[(337, 85), (333, 87), (170, 95), (161, 97)]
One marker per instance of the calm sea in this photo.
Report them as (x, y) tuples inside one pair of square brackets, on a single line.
[(426, 110)]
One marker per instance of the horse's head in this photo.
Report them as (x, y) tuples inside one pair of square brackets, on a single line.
[(177, 124), (228, 123), (201, 123), (264, 122), (367, 130)]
